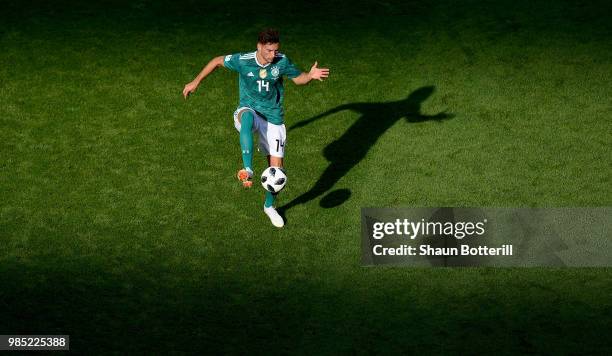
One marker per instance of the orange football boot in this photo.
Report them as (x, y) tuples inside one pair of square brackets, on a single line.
[(244, 177)]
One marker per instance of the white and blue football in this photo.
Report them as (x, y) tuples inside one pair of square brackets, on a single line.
[(273, 179)]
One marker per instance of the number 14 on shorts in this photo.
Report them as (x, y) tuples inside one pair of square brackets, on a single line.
[(279, 144)]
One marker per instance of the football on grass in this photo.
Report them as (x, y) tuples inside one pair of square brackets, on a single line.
[(273, 179)]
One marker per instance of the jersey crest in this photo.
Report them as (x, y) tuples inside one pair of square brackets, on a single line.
[(263, 73)]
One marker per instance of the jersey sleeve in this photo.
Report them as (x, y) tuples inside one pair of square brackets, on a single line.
[(232, 61), (290, 70)]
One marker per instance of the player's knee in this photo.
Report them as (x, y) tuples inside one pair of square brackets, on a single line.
[(247, 119), (274, 161)]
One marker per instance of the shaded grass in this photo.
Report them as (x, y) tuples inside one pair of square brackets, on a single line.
[(119, 212)]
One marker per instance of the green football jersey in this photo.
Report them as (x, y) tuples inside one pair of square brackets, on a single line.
[(261, 86)]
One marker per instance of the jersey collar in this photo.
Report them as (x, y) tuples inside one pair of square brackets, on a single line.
[(259, 64)]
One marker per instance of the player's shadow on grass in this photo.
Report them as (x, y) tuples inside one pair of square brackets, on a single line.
[(349, 149)]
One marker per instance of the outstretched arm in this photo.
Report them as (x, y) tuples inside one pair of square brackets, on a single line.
[(315, 73), (437, 117), (209, 68)]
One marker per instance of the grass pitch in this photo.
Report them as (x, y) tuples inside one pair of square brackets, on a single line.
[(122, 225)]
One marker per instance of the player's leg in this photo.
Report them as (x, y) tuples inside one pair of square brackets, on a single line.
[(269, 208), (244, 119), (272, 143), (272, 162)]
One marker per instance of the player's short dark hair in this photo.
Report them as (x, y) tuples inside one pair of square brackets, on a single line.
[(268, 35)]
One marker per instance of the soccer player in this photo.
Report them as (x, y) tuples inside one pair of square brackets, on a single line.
[(261, 103)]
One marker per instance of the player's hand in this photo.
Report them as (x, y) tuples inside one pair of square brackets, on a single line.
[(189, 88), (318, 73)]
